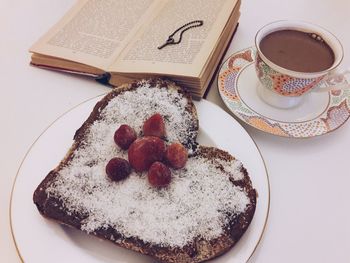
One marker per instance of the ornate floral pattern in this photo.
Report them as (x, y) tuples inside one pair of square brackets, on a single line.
[(334, 116), (281, 83)]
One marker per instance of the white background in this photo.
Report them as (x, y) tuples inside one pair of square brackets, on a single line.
[(310, 212)]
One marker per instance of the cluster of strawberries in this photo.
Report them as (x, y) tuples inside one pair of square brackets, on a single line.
[(148, 153)]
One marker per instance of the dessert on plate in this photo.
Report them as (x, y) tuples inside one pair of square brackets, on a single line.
[(136, 176)]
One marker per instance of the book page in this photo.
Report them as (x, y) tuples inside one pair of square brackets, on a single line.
[(186, 58), (94, 32)]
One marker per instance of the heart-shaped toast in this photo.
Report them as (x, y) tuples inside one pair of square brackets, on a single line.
[(203, 211)]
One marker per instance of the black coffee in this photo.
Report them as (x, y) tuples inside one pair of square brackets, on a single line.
[(297, 51)]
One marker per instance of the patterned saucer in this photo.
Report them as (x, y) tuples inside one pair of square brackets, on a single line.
[(319, 113)]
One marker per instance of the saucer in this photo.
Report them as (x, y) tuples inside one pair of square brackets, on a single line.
[(319, 113)]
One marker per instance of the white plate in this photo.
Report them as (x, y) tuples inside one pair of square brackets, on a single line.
[(41, 240)]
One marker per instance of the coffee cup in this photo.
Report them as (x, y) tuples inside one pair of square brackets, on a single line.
[(294, 58)]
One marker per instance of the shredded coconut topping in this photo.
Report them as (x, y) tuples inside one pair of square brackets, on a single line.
[(198, 202), (134, 107)]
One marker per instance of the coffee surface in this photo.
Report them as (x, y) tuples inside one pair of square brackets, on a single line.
[(297, 51)]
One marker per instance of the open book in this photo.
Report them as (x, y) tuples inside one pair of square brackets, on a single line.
[(120, 39)]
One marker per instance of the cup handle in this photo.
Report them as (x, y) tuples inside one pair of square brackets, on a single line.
[(334, 81)]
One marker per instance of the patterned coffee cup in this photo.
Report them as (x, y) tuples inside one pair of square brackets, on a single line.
[(284, 88)]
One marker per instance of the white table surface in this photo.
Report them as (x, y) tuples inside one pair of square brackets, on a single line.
[(309, 218)]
